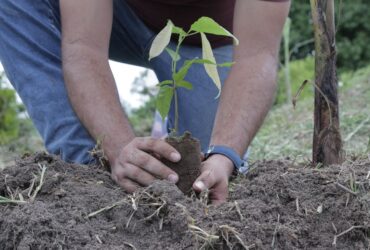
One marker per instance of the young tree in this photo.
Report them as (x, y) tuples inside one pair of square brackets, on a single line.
[(327, 142)]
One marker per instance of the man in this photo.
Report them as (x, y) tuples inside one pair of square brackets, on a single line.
[(56, 56)]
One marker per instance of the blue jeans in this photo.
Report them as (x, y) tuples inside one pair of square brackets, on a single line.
[(30, 51)]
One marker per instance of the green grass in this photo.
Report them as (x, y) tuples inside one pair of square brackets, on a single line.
[(288, 132), (29, 141)]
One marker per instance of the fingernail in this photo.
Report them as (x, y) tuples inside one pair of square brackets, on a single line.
[(173, 178), (175, 156), (200, 185)]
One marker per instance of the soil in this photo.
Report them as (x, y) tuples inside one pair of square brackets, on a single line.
[(188, 168), (278, 205)]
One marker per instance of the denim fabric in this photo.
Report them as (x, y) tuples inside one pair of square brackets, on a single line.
[(30, 52)]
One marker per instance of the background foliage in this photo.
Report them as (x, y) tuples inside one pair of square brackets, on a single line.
[(9, 109), (353, 29), (142, 118)]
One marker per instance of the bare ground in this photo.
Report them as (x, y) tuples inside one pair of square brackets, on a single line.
[(278, 205)]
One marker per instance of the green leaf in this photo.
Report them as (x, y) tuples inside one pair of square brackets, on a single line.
[(175, 57), (180, 75), (163, 102), (209, 26), (178, 30), (161, 41), (164, 83), (185, 84), (211, 69)]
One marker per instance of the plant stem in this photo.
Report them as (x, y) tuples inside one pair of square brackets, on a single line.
[(174, 64), (176, 110)]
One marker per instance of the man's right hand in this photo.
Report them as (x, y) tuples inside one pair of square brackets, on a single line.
[(138, 164)]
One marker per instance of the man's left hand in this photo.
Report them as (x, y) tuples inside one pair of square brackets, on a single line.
[(216, 171)]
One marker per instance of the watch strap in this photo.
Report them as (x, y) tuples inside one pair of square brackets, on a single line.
[(240, 165)]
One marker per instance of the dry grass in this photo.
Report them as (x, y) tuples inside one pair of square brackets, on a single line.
[(16, 197), (288, 131)]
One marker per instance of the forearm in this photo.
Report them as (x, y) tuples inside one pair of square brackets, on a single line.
[(245, 101), (249, 90), (94, 97)]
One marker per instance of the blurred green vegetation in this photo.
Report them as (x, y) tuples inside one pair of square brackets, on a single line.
[(300, 70), (288, 131), (353, 29), (9, 110), (17, 133), (142, 118)]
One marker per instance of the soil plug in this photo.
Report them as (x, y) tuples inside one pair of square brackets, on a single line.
[(188, 168)]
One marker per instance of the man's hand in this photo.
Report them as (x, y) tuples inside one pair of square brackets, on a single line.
[(138, 163), (216, 171)]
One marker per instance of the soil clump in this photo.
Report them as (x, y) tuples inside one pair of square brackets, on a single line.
[(188, 168), (278, 205)]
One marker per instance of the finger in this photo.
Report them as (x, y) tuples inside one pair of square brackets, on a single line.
[(205, 181), (159, 147), (219, 201), (152, 165), (220, 194), (138, 175), (127, 184)]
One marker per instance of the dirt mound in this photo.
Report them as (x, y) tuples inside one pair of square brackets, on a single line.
[(277, 206)]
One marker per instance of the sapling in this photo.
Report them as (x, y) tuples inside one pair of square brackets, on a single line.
[(167, 88), (189, 167)]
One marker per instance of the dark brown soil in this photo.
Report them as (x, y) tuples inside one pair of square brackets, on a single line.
[(188, 168), (277, 206)]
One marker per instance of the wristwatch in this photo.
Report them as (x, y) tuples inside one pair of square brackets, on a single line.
[(240, 165)]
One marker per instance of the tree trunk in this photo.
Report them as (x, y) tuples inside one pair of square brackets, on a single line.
[(327, 142)]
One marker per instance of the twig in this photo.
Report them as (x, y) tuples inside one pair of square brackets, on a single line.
[(238, 210), (334, 227), (226, 229), (294, 101), (4, 200), (203, 234), (130, 218), (186, 212), (344, 232), (345, 188), (31, 187), (129, 244), (134, 206), (98, 239), (275, 232), (161, 223), (105, 209), (156, 212), (41, 183), (349, 136), (297, 204), (299, 45)]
